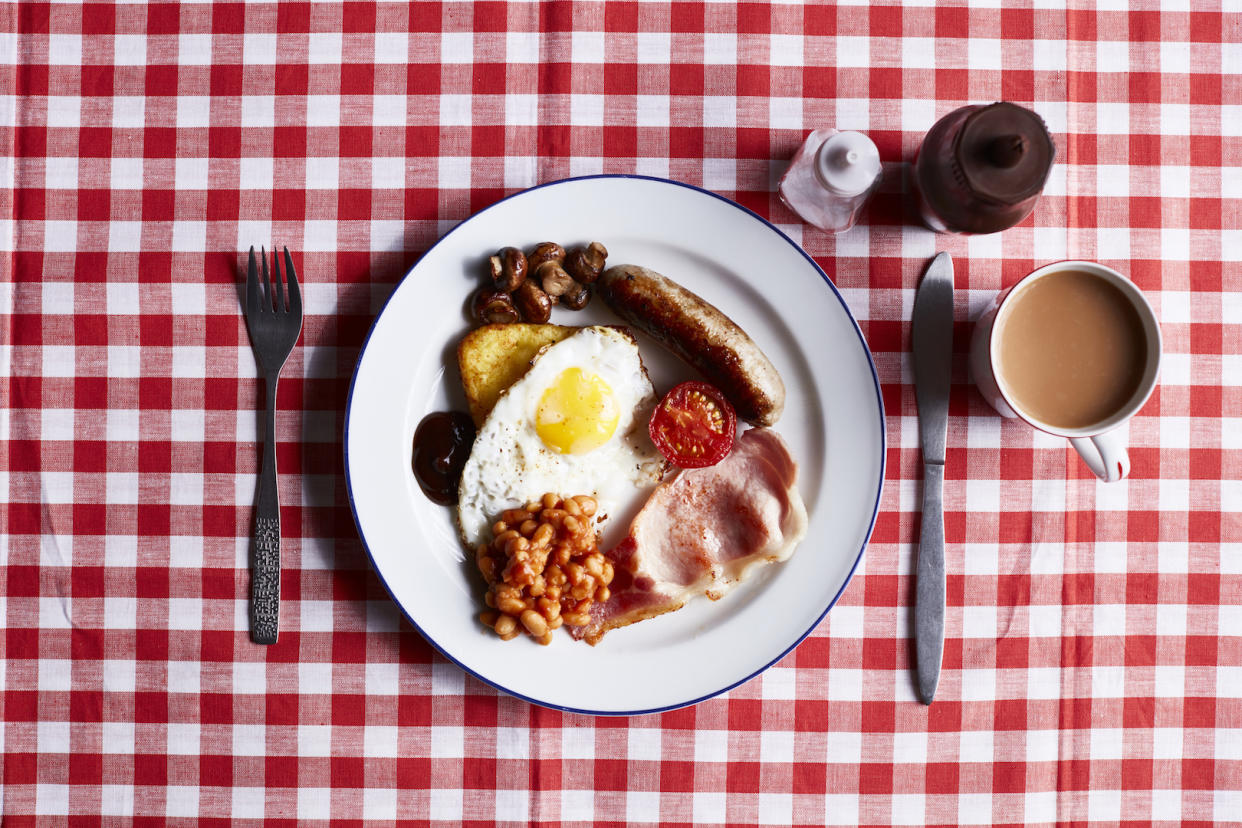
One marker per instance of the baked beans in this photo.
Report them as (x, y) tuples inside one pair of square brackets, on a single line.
[(543, 568)]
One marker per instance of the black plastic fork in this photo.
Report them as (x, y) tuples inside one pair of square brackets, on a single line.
[(274, 327)]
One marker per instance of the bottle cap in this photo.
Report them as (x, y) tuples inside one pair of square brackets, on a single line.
[(848, 163), (1004, 153)]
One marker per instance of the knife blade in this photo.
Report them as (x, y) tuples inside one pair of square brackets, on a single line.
[(932, 346)]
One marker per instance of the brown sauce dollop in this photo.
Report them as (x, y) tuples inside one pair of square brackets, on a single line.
[(442, 444)]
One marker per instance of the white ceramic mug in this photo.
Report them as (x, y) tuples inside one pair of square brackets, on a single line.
[(1100, 444)]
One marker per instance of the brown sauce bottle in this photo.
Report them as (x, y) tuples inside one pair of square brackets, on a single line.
[(981, 168)]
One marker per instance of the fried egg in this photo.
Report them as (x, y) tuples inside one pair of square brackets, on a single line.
[(575, 424)]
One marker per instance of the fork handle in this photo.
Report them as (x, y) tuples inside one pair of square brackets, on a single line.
[(265, 547)]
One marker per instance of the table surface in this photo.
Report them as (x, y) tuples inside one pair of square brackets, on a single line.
[(1093, 655)]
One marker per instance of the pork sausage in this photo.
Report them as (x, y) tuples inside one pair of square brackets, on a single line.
[(700, 334)]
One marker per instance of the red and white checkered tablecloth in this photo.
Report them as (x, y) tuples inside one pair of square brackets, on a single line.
[(1093, 661)]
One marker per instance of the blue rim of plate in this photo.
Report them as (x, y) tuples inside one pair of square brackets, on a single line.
[(879, 398)]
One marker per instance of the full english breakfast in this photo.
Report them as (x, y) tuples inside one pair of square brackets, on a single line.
[(567, 436)]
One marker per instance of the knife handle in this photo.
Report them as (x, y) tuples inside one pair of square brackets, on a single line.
[(929, 587)]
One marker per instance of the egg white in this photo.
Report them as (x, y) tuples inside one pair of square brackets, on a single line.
[(510, 465)]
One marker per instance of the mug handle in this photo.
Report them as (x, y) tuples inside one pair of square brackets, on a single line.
[(1105, 454)]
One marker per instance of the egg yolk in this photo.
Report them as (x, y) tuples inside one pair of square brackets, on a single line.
[(577, 413)]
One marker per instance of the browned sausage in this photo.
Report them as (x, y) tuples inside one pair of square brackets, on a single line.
[(700, 334)]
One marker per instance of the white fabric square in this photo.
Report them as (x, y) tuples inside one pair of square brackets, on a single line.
[(780, 683), (776, 746), (853, 52), (454, 172), (775, 808), (126, 175), (711, 745), (55, 613), (64, 111), (392, 47), (1170, 680), (314, 803), (323, 110), (587, 47), (512, 806), (116, 800), (249, 740), (247, 803), (121, 487), (456, 47), (578, 743), (642, 806), (1103, 805), (195, 111), (841, 809), (185, 489), (189, 236), (521, 110), (1112, 56), (60, 236), (324, 47), (61, 173), (643, 744), (448, 742), (1112, 118), (57, 298), (314, 740), (918, 53), (979, 622), (129, 50), (984, 53), (379, 741), (1175, 244), (785, 50), (577, 806), (1112, 180), (55, 674), (58, 361), (1108, 682), (455, 110), (387, 173), (522, 47), (719, 111), (652, 110), (194, 49), (259, 48), (844, 747), (120, 675), (446, 804), (320, 236), (975, 745), (258, 111), (720, 48), (124, 360), (379, 803), (323, 173), (316, 616), (512, 743), (586, 110), (64, 49), (654, 47), (255, 174), (185, 613), (785, 113), (388, 110), (974, 808), (1042, 745), (909, 809), (185, 677)]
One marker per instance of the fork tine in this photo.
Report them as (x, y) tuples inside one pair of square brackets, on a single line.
[(266, 304), (277, 283), (291, 276), (252, 285)]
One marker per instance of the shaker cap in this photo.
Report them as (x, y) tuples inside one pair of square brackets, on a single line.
[(1004, 153), (848, 163)]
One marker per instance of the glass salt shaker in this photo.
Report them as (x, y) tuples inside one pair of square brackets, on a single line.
[(831, 177)]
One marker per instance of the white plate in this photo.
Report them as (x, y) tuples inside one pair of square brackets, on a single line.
[(833, 423)]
